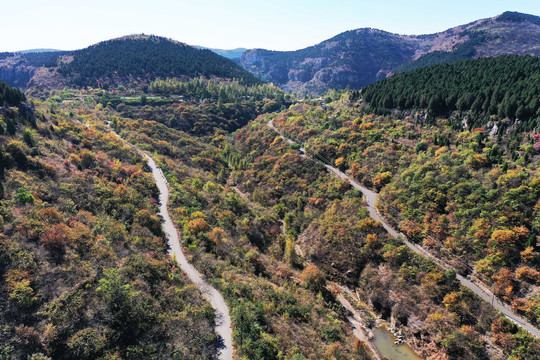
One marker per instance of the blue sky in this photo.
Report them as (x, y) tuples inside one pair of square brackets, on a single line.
[(226, 24)]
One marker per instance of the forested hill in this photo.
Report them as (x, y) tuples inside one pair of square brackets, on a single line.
[(505, 86), (149, 57), (10, 96), (118, 61)]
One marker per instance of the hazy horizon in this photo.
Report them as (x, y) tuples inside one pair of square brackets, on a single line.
[(70, 25)]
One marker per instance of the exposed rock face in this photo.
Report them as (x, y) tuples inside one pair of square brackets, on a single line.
[(359, 57), (353, 58), (19, 69), (17, 76)]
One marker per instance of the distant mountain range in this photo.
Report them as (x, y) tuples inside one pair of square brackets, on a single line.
[(352, 59), (359, 57), (140, 58), (31, 51), (228, 53)]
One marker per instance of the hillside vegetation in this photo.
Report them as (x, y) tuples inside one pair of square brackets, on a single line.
[(505, 86), (148, 57), (452, 149), (99, 284), (468, 197), (84, 271), (282, 222), (198, 106), (239, 246), (10, 96)]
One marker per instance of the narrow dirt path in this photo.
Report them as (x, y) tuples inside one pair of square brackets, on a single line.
[(355, 319), (371, 200), (223, 319)]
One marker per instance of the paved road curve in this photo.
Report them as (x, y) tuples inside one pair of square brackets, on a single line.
[(223, 320), (478, 289)]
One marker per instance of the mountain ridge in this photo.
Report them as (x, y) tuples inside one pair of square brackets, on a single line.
[(356, 58), (228, 53)]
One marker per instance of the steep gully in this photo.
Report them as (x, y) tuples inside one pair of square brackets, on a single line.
[(223, 319), (371, 200)]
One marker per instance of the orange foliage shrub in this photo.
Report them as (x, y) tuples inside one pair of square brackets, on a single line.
[(340, 163), (313, 279), (528, 254), (528, 274), (477, 161), (382, 179), (372, 241), (55, 239), (14, 276), (506, 341), (503, 240), (521, 304), (451, 300), (26, 335), (366, 126), (196, 226), (504, 282), (409, 228), (521, 231)]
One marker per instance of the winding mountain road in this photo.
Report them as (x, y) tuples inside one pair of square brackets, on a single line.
[(223, 319), (371, 200)]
